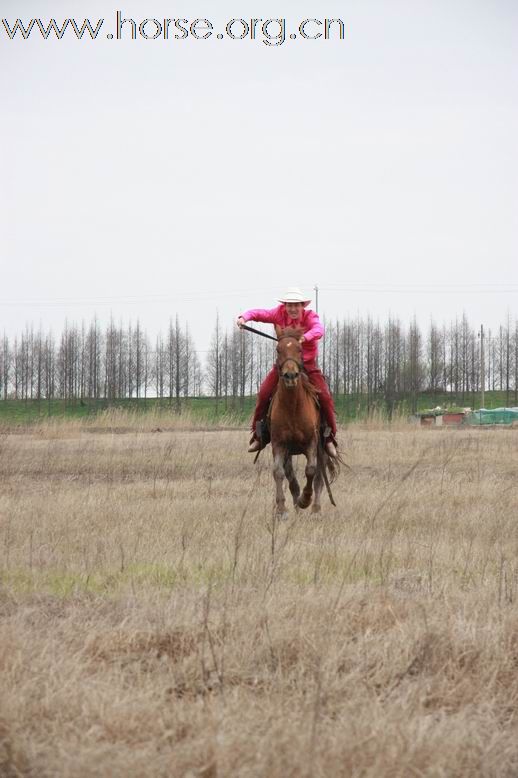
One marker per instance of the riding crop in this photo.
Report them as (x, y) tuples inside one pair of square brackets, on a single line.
[(257, 332)]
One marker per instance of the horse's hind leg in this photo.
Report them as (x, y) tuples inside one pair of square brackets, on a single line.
[(279, 455), (319, 482), (311, 468), (292, 479)]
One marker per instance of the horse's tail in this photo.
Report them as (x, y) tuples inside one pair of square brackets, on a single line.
[(331, 464), (333, 468)]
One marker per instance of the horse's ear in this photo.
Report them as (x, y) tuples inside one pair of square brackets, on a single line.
[(278, 330)]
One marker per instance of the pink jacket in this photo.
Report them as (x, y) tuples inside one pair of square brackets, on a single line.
[(309, 321)]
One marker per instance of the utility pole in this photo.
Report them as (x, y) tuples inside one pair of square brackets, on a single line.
[(316, 309), (482, 366)]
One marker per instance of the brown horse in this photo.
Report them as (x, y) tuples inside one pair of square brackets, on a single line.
[(294, 427)]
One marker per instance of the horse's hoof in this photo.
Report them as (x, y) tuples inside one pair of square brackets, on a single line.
[(282, 516), (303, 503), (316, 509)]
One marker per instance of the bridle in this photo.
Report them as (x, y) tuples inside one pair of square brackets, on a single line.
[(289, 359)]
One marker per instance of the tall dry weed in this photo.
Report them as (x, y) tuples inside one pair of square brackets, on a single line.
[(156, 619)]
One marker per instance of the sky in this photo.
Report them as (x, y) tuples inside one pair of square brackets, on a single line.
[(149, 178)]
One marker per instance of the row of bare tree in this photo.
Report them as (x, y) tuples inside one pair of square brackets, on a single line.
[(390, 360), (89, 362), (359, 356)]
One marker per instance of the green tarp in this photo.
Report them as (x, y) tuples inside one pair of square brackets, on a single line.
[(495, 416)]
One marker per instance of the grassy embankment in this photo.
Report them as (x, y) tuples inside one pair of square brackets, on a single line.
[(229, 412)]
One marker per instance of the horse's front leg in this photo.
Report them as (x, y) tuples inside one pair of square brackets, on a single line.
[(279, 456), (292, 479), (311, 468)]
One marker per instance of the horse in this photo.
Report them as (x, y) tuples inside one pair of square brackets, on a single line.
[(294, 422)]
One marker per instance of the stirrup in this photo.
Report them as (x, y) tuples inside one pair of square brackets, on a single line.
[(255, 445)]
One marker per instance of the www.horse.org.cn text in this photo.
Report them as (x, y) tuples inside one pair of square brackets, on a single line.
[(271, 32)]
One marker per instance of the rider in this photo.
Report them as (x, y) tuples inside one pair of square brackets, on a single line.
[(293, 312)]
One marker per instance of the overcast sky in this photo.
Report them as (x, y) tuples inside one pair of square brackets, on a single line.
[(146, 178)]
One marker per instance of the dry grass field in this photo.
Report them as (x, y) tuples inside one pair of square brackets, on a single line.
[(156, 621)]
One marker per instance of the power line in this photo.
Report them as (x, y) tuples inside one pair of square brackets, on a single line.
[(189, 296), (435, 290), (186, 296)]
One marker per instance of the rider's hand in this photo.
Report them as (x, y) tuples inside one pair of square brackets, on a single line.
[(240, 321)]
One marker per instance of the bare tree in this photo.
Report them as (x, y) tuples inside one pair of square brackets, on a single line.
[(5, 367), (214, 364)]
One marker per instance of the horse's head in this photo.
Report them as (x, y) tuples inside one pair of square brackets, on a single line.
[(289, 355)]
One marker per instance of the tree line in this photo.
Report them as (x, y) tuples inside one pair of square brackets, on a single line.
[(391, 360), (359, 356)]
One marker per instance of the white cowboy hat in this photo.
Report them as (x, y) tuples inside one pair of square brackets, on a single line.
[(294, 295)]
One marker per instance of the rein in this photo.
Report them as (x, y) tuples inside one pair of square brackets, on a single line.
[(270, 337)]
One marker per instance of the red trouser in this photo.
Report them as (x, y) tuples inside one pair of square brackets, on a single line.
[(317, 379)]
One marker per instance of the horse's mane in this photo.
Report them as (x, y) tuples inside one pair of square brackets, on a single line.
[(310, 389)]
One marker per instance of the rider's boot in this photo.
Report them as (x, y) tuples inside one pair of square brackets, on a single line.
[(260, 437)]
